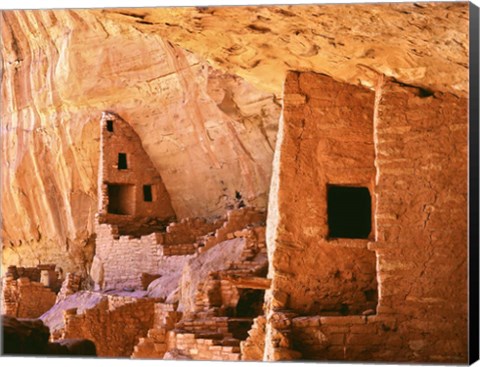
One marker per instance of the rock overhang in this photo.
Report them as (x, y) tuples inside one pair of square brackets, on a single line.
[(424, 44)]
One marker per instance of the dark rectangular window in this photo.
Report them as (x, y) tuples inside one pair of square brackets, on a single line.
[(110, 125), (349, 211), (122, 161), (147, 192), (121, 199)]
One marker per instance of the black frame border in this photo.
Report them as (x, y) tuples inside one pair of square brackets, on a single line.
[(473, 214)]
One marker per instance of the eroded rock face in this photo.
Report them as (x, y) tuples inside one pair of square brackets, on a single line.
[(197, 270), (396, 293), (207, 133), (61, 68), (420, 44)]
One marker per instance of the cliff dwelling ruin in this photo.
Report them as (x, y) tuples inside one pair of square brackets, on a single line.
[(297, 191)]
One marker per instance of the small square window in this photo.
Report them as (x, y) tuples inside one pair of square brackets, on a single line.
[(349, 212), (110, 125), (122, 161), (147, 193)]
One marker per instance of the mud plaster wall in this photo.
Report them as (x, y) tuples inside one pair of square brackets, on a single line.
[(421, 213), (420, 210), (327, 139), (140, 171)]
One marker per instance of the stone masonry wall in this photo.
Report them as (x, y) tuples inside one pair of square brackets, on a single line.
[(114, 325), (154, 345), (420, 227), (28, 292), (350, 338), (120, 260), (421, 158), (191, 347), (326, 138), (70, 285), (253, 347), (24, 298), (189, 229), (140, 171)]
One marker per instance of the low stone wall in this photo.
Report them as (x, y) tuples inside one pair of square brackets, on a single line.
[(193, 339), (180, 249), (120, 260), (189, 229), (236, 221), (24, 298), (70, 285), (154, 345), (114, 325), (253, 347), (32, 273), (213, 325), (201, 349)]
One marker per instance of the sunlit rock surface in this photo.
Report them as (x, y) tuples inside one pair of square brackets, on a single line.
[(419, 43), (380, 89), (208, 133)]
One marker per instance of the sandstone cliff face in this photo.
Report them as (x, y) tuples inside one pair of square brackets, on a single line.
[(208, 134), (421, 44), (397, 292)]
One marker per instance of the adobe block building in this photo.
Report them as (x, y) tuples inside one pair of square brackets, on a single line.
[(129, 185), (367, 224), (133, 204)]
